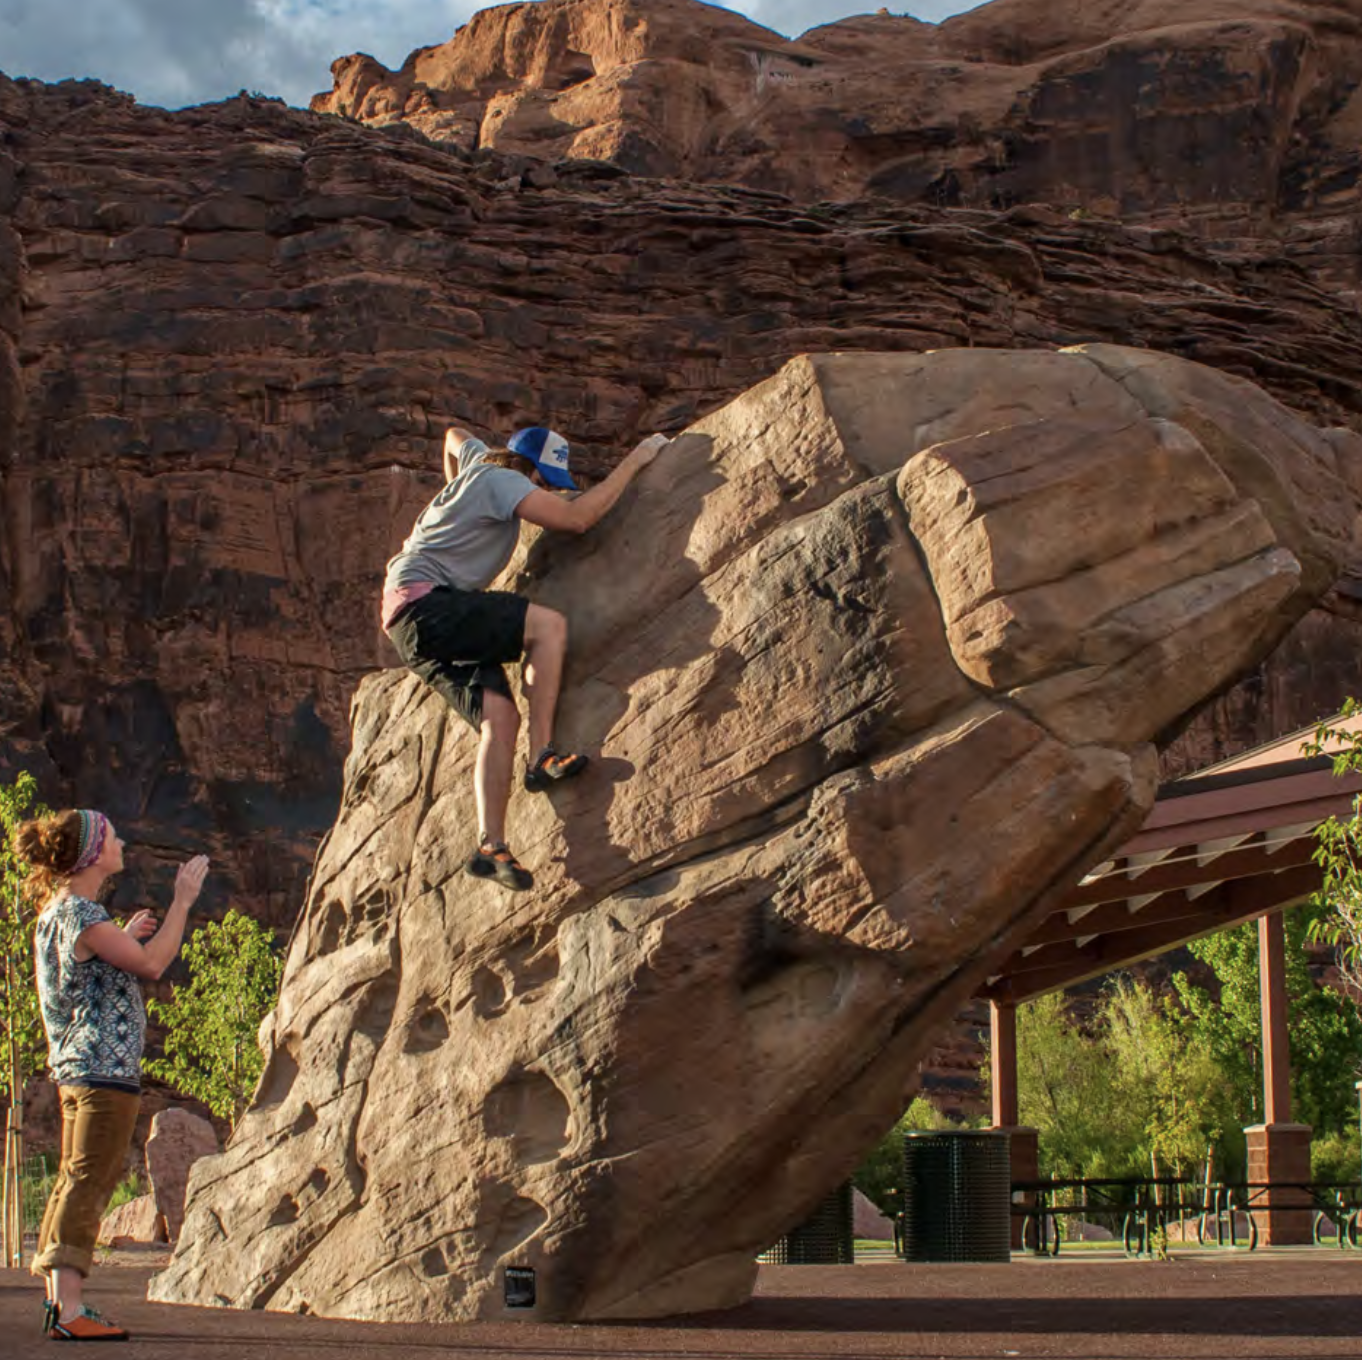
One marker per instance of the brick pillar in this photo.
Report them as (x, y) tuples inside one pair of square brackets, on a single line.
[(1280, 1152)]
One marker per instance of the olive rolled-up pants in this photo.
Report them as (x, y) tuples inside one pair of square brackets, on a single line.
[(96, 1132)]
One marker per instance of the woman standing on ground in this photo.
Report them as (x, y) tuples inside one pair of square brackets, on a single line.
[(88, 970)]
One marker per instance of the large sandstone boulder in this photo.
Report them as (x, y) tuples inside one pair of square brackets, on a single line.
[(872, 658)]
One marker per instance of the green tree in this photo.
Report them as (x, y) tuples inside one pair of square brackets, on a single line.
[(1338, 921), (1065, 1090), (1166, 1079), (1131, 1090), (211, 1049), (1324, 1028), (21, 1028), (1336, 1156), (20, 1017)]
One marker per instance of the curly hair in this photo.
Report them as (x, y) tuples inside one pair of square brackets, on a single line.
[(504, 458), (50, 846)]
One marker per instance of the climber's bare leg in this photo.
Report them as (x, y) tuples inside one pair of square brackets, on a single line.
[(499, 732), (546, 634)]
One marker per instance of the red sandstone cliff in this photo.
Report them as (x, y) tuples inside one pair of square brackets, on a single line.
[(230, 338), (1238, 117)]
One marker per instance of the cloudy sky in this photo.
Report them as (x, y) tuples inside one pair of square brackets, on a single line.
[(176, 52)]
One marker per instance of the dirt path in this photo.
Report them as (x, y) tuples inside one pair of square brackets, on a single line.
[(1269, 1306)]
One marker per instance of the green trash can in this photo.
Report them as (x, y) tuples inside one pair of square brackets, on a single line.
[(825, 1238), (957, 1196)]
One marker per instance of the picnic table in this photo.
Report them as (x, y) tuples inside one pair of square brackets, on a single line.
[(1144, 1205), (1336, 1206)]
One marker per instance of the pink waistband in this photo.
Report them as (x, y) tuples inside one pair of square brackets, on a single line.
[(395, 600)]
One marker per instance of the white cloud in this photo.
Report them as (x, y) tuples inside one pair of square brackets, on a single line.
[(175, 52)]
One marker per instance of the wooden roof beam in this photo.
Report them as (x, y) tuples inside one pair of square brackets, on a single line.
[(1185, 871), (1232, 903)]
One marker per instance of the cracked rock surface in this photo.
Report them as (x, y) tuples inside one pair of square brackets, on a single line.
[(873, 659)]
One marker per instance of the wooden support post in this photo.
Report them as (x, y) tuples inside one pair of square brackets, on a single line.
[(1278, 1150), (1276, 1040), (13, 1196), (1003, 1051), (12, 1232)]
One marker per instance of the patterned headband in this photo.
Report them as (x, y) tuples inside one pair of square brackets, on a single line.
[(93, 826)]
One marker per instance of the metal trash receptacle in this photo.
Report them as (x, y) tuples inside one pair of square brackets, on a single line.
[(825, 1238), (957, 1196)]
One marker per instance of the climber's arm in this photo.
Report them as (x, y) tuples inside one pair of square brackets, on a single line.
[(454, 440), (577, 516)]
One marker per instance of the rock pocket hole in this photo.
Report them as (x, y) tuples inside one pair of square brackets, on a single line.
[(374, 911), (281, 1071), (376, 1014), (333, 927), (489, 994), (307, 1119), (429, 1030), (530, 1110), (286, 1211), (532, 966)]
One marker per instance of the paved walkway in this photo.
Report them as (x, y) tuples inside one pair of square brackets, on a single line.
[(1268, 1306)]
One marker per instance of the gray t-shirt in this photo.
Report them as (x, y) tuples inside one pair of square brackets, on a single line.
[(467, 534)]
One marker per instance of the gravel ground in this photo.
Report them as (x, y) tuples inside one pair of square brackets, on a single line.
[(1266, 1306)]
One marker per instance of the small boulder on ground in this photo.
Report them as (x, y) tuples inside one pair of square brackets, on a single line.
[(136, 1221), (177, 1140), (869, 1224)]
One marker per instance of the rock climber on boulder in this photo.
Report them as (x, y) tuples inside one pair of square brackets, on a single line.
[(457, 635)]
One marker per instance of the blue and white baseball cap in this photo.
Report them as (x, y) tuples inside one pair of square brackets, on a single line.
[(548, 451)]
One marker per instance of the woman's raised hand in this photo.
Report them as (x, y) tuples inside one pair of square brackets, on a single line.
[(141, 925), (189, 879)]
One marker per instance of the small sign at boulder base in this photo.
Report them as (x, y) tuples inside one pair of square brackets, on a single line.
[(519, 1287)]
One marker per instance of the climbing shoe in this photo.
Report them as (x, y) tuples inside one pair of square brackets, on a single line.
[(551, 769), (492, 859), (83, 1325)]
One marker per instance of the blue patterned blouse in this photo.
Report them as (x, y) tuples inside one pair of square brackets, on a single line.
[(93, 1012)]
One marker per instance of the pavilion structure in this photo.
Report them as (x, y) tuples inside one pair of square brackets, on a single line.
[(1228, 844)]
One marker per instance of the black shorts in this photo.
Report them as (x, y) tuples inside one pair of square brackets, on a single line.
[(457, 641)]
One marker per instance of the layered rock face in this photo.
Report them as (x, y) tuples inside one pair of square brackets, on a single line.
[(872, 658), (231, 337), (1239, 118)]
